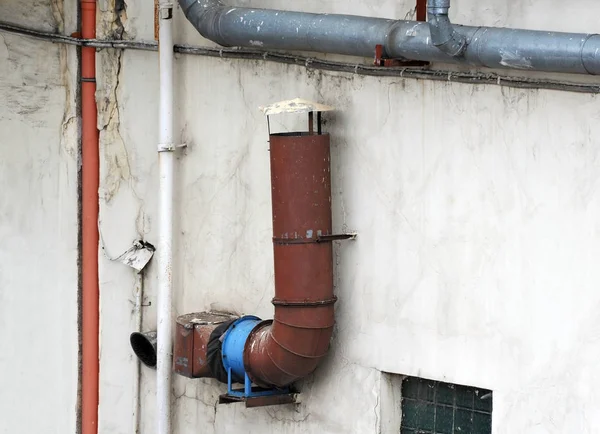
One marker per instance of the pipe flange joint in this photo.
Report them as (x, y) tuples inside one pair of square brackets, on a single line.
[(438, 7), (438, 11), (438, 3)]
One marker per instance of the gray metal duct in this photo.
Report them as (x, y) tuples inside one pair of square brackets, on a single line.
[(354, 35), (442, 31)]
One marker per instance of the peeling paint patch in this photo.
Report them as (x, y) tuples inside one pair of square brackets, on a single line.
[(69, 125), (116, 166), (59, 14), (412, 31), (514, 60), (113, 22), (256, 43)]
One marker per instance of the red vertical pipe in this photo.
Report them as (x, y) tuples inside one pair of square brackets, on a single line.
[(421, 10), (90, 184)]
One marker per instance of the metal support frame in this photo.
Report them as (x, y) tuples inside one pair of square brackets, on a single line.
[(382, 60), (254, 396)]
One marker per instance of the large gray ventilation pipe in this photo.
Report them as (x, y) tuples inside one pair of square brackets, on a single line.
[(436, 41)]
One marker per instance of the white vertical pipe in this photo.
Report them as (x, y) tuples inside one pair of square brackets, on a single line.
[(166, 149), (139, 298)]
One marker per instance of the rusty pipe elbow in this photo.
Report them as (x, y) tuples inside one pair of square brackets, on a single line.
[(280, 352)]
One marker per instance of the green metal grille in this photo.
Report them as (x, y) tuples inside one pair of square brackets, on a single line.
[(433, 407)]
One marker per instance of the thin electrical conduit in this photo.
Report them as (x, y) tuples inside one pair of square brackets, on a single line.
[(166, 149)]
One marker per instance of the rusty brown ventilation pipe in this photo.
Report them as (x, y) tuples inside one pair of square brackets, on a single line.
[(288, 348), (275, 353)]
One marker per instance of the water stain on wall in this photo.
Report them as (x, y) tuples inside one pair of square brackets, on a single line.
[(112, 21)]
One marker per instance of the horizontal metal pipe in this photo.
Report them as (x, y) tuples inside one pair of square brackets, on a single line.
[(263, 28), (316, 64), (354, 35)]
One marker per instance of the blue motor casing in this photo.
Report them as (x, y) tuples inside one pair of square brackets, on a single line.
[(233, 346)]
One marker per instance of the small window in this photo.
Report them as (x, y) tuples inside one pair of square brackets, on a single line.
[(433, 407)]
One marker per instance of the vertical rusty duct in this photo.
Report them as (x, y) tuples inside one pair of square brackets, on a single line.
[(421, 10), (90, 184), (288, 348)]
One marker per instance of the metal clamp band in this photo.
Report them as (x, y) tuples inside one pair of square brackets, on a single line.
[(286, 241), (166, 11), (298, 303)]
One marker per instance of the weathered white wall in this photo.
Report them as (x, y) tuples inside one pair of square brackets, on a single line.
[(38, 223), (476, 208)]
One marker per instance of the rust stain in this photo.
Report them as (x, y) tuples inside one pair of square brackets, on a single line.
[(156, 21)]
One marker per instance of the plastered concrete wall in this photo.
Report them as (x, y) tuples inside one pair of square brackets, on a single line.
[(476, 209), (38, 223)]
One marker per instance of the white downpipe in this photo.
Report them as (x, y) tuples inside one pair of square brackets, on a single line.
[(166, 156), (139, 298)]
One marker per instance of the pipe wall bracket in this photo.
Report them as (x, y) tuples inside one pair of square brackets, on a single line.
[(170, 147)]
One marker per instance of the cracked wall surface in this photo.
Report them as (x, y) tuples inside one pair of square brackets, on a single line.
[(38, 222), (476, 209), (127, 207)]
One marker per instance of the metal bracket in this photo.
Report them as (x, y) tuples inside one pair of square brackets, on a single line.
[(165, 11), (170, 147), (338, 237), (381, 60), (319, 239), (255, 396)]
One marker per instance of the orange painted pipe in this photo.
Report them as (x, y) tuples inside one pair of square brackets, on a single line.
[(90, 184)]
